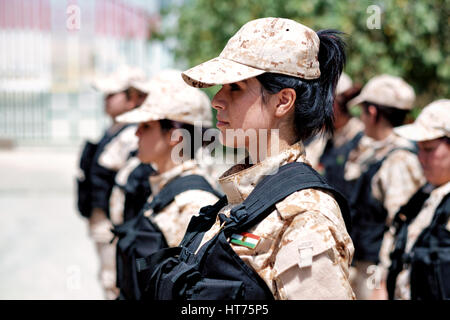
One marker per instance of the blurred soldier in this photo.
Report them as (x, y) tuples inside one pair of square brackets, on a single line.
[(387, 170), (419, 238), (329, 155), (171, 108), (131, 187), (99, 164)]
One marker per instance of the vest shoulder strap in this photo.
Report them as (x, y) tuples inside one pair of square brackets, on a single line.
[(178, 186), (290, 178)]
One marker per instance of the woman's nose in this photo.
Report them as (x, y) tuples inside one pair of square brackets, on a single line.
[(138, 131), (218, 102)]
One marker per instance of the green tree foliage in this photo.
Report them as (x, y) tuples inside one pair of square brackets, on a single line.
[(412, 41)]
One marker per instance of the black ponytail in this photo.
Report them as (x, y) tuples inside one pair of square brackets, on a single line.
[(314, 103)]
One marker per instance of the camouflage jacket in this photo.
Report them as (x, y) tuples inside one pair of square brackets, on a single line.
[(308, 217)]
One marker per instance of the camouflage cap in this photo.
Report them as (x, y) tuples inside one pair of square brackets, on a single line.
[(119, 80), (169, 97), (263, 45), (344, 83), (386, 90), (432, 123)]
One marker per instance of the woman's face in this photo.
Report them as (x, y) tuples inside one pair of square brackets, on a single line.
[(434, 156), (154, 144), (239, 105), (116, 104)]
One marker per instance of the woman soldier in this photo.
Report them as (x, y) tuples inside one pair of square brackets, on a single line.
[(277, 76), (416, 248), (177, 193)]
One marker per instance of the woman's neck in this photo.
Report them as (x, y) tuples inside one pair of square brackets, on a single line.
[(276, 143), (165, 164)]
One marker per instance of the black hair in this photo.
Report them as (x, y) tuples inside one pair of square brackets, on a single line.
[(314, 102), (342, 99), (395, 117), (167, 125)]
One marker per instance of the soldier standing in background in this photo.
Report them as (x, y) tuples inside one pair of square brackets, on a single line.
[(387, 170), (415, 252), (177, 195), (99, 164)]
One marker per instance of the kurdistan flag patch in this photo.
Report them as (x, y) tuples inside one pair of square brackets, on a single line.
[(245, 239)]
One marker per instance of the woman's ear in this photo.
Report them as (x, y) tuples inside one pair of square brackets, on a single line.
[(286, 102), (174, 137), (373, 113)]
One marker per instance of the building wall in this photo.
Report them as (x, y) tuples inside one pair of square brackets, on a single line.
[(51, 50)]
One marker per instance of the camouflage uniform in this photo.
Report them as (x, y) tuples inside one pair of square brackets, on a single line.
[(117, 199), (112, 158), (432, 123), (309, 217), (308, 223), (400, 174), (175, 217)]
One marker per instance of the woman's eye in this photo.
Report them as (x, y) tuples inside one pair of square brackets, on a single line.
[(234, 87)]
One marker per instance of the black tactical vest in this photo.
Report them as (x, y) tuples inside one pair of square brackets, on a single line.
[(429, 258), (94, 174), (137, 190), (368, 215), (333, 160), (216, 272), (140, 237)]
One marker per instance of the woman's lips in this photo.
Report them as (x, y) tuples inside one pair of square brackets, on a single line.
[(221, 123)]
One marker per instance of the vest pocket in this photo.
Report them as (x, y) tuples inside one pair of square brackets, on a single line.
[(430, 275), (216, 289)]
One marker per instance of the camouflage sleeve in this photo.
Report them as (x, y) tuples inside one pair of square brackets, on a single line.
[(314, 251), (399, 177), (116, 152), (385, 250), (180, 211)]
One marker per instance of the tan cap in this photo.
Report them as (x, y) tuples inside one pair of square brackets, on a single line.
[(263, 45), (343, 84), (169, 97), (432, 123), (118, 81), (388, 91)]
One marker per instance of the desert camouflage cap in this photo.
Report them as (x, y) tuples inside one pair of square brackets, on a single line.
[(263, 45), (344, 83), (432, 123), (118, 81), (388, 91), (169, 97)]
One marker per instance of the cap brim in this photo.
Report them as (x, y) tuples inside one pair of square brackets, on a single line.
[(416, 132), (143, 86), (137, 115), (106, 86), (355, 101), (218, 71)]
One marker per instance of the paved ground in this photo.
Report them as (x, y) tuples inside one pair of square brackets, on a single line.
[(45, 252)]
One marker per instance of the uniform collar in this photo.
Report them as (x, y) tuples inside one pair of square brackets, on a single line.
[(158, 181), (240, 180), (441, 190)]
